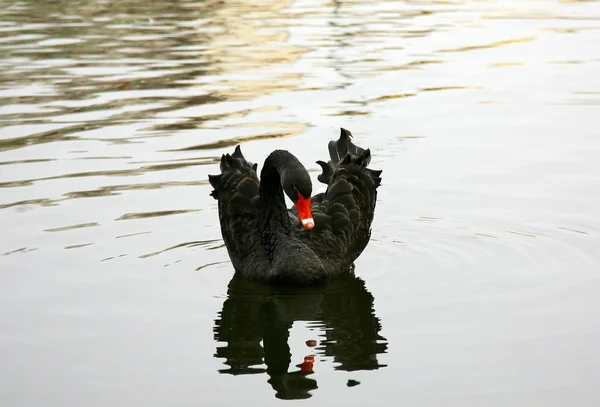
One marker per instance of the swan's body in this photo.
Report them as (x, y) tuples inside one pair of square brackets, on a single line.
[(315, 240)]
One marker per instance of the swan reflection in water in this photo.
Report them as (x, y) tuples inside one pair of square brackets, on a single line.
[(252, 331)]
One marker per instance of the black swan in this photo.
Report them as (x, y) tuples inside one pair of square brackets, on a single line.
[(317, 239)]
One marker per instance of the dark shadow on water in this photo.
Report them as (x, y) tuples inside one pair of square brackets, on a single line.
[(253, 330)]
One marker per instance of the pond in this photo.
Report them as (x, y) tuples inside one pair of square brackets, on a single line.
[(479, 285)]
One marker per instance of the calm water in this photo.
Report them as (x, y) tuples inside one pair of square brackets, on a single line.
[(479, 287)]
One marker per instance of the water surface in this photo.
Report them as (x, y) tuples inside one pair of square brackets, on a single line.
[(479, 286)]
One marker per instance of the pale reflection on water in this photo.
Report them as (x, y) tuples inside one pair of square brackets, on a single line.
[(114, 282)]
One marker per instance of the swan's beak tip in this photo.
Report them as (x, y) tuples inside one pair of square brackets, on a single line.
[(308, 223)]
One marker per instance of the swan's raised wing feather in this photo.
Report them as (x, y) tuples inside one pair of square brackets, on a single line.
[(344, 214), (237, 190)]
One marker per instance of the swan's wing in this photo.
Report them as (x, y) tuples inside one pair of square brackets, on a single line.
[(338, 149), (237, 190), (344, 214)]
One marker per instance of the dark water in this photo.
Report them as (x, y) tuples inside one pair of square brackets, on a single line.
[(479, 287)]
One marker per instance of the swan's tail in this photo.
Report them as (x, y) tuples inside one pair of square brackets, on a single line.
[(343, 151)]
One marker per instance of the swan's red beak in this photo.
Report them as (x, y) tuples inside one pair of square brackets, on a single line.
[(303, 207)]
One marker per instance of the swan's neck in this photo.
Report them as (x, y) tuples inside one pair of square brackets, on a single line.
[(273, 211)]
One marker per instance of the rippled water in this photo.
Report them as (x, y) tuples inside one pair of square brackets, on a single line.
[(479, 287)]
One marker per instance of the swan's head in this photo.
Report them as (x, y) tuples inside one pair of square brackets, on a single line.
[(299, 190), (295, 182)]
